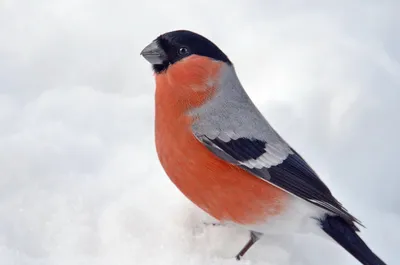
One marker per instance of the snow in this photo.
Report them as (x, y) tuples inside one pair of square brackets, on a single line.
[(80, 182)]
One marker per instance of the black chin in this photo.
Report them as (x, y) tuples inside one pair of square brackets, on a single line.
[(160, 68)]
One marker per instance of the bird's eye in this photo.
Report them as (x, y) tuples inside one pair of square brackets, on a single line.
[(183, 51)]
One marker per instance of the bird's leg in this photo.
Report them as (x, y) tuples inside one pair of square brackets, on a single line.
[(254, 237)]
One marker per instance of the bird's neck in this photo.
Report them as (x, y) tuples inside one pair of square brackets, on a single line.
[(171, 119), (184, 86)]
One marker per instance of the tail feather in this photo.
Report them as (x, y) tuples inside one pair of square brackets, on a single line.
[(344, 234)]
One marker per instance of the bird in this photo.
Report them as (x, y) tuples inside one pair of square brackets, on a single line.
[(220, 151)]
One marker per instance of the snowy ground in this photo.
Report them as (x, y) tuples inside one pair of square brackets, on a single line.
[(79, 179)]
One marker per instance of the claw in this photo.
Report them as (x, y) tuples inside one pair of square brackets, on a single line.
[(213, 224)]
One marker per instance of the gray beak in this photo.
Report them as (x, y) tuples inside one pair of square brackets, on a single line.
[(154, 54)]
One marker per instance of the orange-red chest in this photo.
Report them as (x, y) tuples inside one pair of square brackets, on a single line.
[(225, 191)]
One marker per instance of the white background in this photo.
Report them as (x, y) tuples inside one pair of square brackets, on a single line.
[(80, 182)]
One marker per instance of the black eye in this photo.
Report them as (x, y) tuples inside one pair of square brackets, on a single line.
[(183, 51)]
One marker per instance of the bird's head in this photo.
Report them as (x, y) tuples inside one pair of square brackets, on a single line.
[(180, 46)]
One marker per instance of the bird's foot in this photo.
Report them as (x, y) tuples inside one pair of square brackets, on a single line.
[(200, 228), (214, 224)]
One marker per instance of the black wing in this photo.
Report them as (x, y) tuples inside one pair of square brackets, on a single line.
[(284, 169)]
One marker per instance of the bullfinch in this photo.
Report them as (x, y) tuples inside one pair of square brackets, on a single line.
[(224, 156)]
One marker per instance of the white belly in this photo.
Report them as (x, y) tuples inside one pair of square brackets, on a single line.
[(300, 217)]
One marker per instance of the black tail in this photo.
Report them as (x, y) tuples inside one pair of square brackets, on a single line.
[(343, 233)]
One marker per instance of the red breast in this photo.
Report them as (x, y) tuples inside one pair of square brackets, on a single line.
[(225, 191)]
